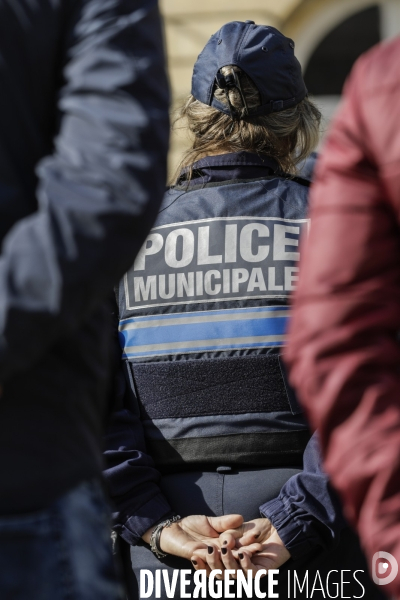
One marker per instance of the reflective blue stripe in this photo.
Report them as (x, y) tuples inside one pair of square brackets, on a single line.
[(204, 331)]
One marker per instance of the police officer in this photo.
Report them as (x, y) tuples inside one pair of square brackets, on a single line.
[(207, 424)]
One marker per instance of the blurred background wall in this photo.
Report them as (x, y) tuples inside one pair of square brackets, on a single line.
[(329, 37)]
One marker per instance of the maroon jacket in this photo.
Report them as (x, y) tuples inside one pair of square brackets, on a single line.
[(343, 352)]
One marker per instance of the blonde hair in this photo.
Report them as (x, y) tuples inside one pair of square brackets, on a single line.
[(288, 136)]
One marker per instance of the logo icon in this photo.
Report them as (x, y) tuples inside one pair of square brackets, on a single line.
[(384, 563)]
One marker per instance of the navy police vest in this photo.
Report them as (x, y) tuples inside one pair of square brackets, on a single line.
[(203, 315)]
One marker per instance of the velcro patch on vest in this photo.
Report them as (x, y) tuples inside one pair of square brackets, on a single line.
[(210, 387), (217, 259)]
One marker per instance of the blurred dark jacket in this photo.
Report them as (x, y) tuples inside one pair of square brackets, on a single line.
[(83, 142), (344, 351)]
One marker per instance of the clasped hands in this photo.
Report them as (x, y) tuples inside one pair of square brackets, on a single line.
[(224, 543)]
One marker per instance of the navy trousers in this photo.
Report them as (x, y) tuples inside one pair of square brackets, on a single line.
[(242, 492)]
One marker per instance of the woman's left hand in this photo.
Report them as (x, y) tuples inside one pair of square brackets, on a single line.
[(184, 537)]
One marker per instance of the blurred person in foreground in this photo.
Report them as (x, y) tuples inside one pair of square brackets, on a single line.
[(83, 141), (344, 352), (206, 428)]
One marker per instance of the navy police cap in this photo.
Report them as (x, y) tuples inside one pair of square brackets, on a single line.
[(263, 53)]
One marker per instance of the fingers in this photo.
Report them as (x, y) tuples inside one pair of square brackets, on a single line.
[(248, 533), (247, 564), (198, 563), (229, 560), (214, 560), (224, 559), (272, 556), (251, 548), (257, 530), (210, 556), (228, 538), (225, 522), (201, 553), (250, 537)]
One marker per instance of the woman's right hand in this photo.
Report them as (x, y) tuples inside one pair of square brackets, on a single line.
[(252, 546), (193, 533)]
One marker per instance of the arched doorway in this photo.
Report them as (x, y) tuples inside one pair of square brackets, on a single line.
[(333, 58), (331, 34)]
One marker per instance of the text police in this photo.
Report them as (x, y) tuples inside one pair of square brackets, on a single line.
[(216, 259)]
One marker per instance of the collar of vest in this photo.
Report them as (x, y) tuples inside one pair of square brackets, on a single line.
[(232, 159), (234, 166)]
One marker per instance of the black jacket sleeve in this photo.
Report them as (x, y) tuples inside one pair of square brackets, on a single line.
[(100, 190), (307, 513), (130, 473)]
